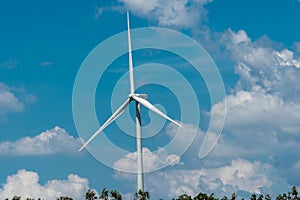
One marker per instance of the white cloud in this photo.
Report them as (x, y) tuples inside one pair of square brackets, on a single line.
[(275, 72), (296, 46), (239, 37), (152, 161), (8, 101), (266, 99), (258, 123), (186, 139), (13, 99), (53, 141), (239, 176), (245, 51), (45, 63), (98, 11), (245, 175), (286, 58), (179, 13), (9, 64), (263, 109), (26, 184), (253, 108)]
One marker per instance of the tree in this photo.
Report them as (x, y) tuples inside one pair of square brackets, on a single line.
[(253, 197), (224, 198), (294, 193), (116, 195), (284, 196), (211, 197), (140, 195), (64, 198), (201, 196), (204, 196), (104, 194), (289, 196), (260, 197), (279, 197), (184, 197), (233, 196), (267, 197), (16, 198), (90, 195)]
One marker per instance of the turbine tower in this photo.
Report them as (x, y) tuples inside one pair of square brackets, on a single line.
[(139, 99)]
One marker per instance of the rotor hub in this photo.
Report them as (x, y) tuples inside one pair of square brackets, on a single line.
[(143, 96)]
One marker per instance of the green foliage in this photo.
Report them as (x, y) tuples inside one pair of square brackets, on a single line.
[(233, 196), (294, 193), (203, 196), (90, 195), (104, 194), (260, 197), (141, 195), (115, 195), (64, 198), (291, 195), (16, 198), (253, 197), (184, 197), (267, 197)]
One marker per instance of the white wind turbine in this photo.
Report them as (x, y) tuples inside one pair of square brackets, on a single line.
[(139, 99)]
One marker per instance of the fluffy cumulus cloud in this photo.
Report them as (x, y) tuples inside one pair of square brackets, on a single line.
[(184, 140), (13, 100), (8, 101), (240, 175), (179, 13), (262, 127), (264, 107), (262, 119), (273, 70), (242, 49), (260, 111), (261, 132), (26, 184), (215, 174), (152, 160), (53, 141), (286, 58)]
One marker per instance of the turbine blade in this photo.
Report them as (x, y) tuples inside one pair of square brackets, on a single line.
[(148, 105), (115, 115), (131, 79)]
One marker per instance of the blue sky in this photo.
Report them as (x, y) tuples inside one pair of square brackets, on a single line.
[(255, 45)]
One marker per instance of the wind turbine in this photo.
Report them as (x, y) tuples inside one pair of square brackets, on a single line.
[(139, 99)]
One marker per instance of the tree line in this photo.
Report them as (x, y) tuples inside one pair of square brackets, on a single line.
[(140, 195)]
